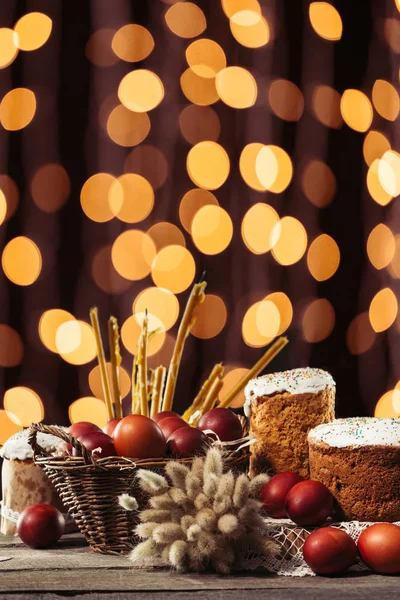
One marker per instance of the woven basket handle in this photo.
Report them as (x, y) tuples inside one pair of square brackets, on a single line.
[(60, 433)]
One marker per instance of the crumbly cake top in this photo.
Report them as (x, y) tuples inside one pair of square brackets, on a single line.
[(18, 448), (358, 431), (295, 381)]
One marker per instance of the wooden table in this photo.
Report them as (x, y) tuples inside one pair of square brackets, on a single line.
[(71, 569)]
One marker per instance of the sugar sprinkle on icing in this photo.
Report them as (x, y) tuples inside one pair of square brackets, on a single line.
[(295, 381), (17, 446), (358, 431)]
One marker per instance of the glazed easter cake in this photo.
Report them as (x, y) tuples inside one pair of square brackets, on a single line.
[(283, 407), (358, 459)]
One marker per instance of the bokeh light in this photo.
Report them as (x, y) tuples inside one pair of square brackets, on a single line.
[(391, 33), (323, 257), (17, 109), (88, 409), (394, 266), (197, 89), (388, 405), (383, 310), (25, 404), (236, 87), (208, 165), (49, 323), (274, 168), (132, 254), (356, 110), (11, 347), (212, 229), (231, 378), (76, 343), (375, 146), (141, 90), (326, 106), (8, 46), (127, 128), (253, 35), (130, 333), (186, 19), (131, 198), (374, 184), (95, 197), (385, 99), (326, 20), (257, 227), (205, 57), (360, 336), (286, 100), (10, 191), (104, 274), (247, 166), (191, 203), (318, 183), (132, 43), (318, 320), (160, 303), (33, 30), (389, 172), (166, 234), (283, 304), (8, 425), (211, 317), (381, 246), (96, 386), (3, 207), (98, 48), (289, 239), (149, 162), (50, 187), (261, 323), (173, 269), (199, 124), (21, 261), (232, 7), (68, 336)]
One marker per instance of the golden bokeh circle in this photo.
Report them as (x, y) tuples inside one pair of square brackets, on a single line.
[(132, 43), (236, 87), (8, 46), (11, 348), (356, 110), (186, 19), (131, 198), (274, 168), (386, 406), (127, 128), (132, 254), (95, 200), (208, 165), (95, 384), (212, 229), (255, 35), (10, 191), (88, 409), (199, 90), (33, 30), (375, 146), (9, 425), (247, 166), (173, 269), (383, 310), (141, 90), (85, 351), (389, 172), (283, 304), (68, 336), (318, 183), (199, 124), (104, 274), (50, 187), (326, 21), (323, 257), (385, 99), (98, 48), (289, 241), (232, 7), (377, 192), (381, 246), (17, 109), (205, 57), (257, 227), (326, 106), (21, 261), (231, 378), (49, 323), (25, 404), (160, 303), (318, 320), (166, 234), (394, 266), (3, 207), (360, 336), (191, 202), (261, 323), (211, 317), (130, 333), (286, 100)]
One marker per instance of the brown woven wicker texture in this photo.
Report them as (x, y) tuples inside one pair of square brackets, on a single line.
[(89, 488)]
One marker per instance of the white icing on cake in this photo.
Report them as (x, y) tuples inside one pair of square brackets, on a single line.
[(295, 381), (358, 431), (18, 448)]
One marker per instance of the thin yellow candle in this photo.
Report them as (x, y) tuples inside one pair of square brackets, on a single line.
[(133, 383), (158, 384), (217, 371), (269, 355), (94, 318), (195, 299), (115, 356), (212, 396), (142, 379)]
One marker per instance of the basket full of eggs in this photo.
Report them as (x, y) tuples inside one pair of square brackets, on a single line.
[(95, 467)]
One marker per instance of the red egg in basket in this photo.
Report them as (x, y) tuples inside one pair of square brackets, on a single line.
[(110, 426), (171, 424), (309, 503), (82, 427), (274, 493), (98, 443), (164, 414), (137, 436), (329, 551), (186, 442), (223, 422)]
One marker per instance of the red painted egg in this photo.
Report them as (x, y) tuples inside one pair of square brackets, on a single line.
[(98, 443), (379, 548), (137, 436), (82, 427), (40, 525), (309, 503), (187, 441), (110, 426), (329, 551), (274, 493), (171, 424), (223, 422), (164, 414)]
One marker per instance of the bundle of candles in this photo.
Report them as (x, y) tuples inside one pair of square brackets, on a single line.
[(153, 390)]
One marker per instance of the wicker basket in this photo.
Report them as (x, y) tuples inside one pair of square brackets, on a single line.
[(89, 488)]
